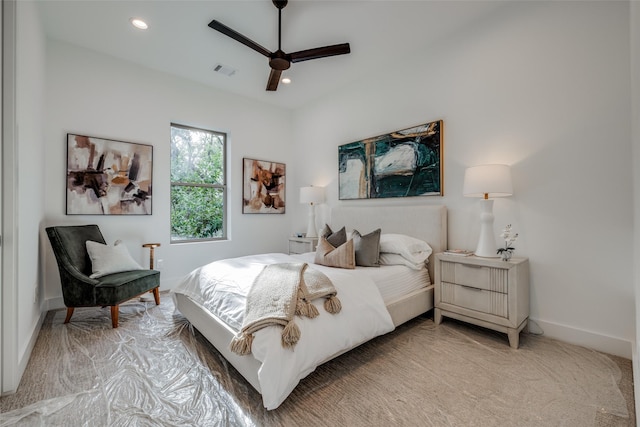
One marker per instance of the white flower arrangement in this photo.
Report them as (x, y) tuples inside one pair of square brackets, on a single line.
[(509, 238)]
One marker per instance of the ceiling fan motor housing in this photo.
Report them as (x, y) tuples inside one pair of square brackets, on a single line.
[(280, 4), (279, 61)]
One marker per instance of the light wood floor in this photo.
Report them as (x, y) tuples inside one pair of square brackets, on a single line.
[(153, 371)]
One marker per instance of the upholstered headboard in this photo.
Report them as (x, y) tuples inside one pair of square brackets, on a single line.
[(428, 223)]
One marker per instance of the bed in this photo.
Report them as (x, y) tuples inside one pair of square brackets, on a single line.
[(427, 223)]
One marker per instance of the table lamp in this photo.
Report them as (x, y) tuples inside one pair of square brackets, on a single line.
[(312, 196), (487, 181)]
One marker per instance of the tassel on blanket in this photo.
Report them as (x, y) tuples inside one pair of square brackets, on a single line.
[(290, 334), (241, 344), (332, 305), (312, 311), (305, 308), (302, 309)]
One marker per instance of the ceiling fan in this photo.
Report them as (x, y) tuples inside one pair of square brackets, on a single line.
[(279, 60)]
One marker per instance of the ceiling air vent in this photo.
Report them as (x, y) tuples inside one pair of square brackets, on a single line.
[(225, 69)]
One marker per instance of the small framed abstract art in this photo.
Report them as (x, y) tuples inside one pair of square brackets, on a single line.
[(263, 187), (403, 163), (107, 177)]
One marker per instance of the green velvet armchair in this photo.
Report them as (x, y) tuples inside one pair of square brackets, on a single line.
[(74, 265)]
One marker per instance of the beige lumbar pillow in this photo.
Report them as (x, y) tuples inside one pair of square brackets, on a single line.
[(343, 256), (107, 259)]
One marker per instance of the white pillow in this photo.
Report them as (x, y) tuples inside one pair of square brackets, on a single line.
[(414, 250), (107, 259), (396, 259)]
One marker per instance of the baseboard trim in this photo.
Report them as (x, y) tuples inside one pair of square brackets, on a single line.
[(55, 303), (26, 355), (606, 344), (635, 365)]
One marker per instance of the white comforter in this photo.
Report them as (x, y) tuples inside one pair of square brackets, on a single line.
[(222, 287)]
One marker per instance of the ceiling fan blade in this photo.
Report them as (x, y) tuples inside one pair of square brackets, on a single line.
[(218, 26), (320, 52), (274, 79)]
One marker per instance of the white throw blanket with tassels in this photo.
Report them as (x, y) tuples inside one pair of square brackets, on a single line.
[(278, 293)]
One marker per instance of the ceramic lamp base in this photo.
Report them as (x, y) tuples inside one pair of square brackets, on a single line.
[(311, 225), (487, 243)]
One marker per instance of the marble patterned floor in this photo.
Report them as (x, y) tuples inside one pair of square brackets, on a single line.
[(154, 371)]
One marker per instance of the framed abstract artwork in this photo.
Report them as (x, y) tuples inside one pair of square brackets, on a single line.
[(107, 177), (263, 187), (403, 163)]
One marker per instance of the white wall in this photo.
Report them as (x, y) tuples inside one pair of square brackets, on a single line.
[(544, 87), (30, 112), (635, 114), (22, 208), (96, 95), (28, 189)]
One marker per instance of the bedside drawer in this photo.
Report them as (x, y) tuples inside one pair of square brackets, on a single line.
[(475, 276), (474, 298), (296, 247)]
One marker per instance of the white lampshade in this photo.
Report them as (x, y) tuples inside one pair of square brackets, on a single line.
[(312, 195), (487, 181)]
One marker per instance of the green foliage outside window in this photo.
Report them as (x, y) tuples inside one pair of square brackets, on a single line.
[(197, 184)]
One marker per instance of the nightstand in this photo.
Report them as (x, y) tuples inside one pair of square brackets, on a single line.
[(486, 292), (300, 245)]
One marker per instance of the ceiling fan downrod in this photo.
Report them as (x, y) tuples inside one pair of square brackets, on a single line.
[(278, 59)]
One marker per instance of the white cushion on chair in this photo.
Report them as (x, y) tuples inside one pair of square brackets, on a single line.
[(107, 259)]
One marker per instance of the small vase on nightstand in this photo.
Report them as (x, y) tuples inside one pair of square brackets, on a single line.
[(506, 255), (506, 252)]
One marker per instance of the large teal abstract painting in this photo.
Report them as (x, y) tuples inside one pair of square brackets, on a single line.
[(403, 163)]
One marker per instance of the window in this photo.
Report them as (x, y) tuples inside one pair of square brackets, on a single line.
[(198, 184)]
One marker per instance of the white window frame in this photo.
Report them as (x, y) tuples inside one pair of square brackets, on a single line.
[(222, 186)]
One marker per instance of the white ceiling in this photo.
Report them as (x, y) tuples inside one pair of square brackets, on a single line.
[(179, 42)]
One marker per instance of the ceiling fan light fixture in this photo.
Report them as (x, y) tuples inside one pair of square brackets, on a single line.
[(139, 23), (286, 80)]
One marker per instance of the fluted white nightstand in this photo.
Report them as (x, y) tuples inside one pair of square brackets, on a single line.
[(486, 292)]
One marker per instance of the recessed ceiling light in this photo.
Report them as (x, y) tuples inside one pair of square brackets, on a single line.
[(286, 80), (138, 23)]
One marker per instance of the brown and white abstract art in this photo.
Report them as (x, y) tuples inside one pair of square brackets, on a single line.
[(263, 188), (107, 177)]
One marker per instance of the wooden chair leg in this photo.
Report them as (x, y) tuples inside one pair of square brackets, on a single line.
[(69, 314), (114, 316), (156, 295)]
